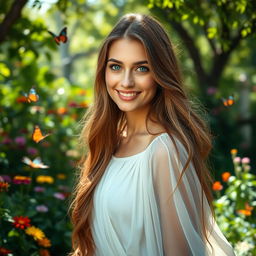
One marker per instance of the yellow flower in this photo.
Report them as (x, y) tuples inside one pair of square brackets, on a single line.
[(37, 233), (44, 242), (44, 179)]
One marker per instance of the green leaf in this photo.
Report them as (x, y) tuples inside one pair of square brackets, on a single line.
[(13, 232), (211, 32), (184, 16), (4, 70)]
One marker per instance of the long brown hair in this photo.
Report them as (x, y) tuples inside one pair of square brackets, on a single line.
[(170, 106)]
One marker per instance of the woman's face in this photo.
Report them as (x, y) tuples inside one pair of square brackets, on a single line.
[(128, 78)]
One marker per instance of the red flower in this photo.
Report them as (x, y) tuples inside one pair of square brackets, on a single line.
[(4, 251), (21, 222)]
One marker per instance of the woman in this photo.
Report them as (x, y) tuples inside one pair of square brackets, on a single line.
[(144, 188)]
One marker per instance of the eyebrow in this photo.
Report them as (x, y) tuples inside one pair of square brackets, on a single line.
[(135, 63)]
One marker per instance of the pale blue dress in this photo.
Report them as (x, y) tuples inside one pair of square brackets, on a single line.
[(134, 215)]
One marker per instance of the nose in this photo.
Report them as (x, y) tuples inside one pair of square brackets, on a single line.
[(128, 80)]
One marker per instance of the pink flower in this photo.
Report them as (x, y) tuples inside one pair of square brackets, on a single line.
[(20, 141), (39, 189), (237, 159), (245, 160), (42, 208), (59, 195), (32, 151)]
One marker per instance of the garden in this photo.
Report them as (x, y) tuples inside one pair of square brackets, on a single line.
[(48, 53)]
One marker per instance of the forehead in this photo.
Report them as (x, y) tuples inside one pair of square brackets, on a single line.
[(125, 49)]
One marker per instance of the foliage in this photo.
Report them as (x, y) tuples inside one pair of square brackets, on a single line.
[(235, 206), (62, 77)]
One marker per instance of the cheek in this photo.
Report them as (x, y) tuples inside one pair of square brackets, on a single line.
[(110, 79), (149, 85)]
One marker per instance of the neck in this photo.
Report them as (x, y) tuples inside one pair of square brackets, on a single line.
[(136, 123)]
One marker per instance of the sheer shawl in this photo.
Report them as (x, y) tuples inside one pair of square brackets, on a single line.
[(180, 214)]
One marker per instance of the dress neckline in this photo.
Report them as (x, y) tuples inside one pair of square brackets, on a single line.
[(140, 153)]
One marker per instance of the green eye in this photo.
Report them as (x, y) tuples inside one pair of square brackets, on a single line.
[(143, 69), (115, 67)]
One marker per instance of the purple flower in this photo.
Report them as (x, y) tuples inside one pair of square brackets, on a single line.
[(20, 141), (32, 151), (39, 189), (6, 178), (42, 208), (59, 195)]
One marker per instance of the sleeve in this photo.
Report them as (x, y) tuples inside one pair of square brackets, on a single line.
[(180, 214)]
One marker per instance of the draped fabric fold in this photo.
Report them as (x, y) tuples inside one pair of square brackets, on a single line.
[(134, 214)]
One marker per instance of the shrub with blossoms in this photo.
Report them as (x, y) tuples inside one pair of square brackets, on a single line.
[(33, 215), (235, 205)]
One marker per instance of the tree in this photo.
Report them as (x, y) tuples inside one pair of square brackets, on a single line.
[(224, 25)]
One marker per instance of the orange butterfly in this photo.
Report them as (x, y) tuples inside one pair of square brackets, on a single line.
[(62, 37), (229, 101), (36, 163), (37, 135), (32, 96)]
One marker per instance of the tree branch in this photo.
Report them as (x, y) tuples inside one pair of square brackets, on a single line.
[(192, 49), (11, 17)]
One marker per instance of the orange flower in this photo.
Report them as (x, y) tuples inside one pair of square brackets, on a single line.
[(217, 186), (233, 151), (244, 212), (61, 111), (225, 176), (44, 242), (4, 186), (247, 211)]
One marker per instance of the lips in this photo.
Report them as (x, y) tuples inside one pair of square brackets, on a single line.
[(127, 95)]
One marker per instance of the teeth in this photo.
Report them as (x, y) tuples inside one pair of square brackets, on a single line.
[(128, 94)]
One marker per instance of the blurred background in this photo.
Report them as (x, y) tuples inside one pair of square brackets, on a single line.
[(46, 86)]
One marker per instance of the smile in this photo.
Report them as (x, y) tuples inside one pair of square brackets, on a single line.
[(128, 96)]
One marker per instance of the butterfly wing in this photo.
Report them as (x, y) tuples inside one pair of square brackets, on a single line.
[(225, 102), (56, 38), (32, 96), (27, 161), (230, 100), (63, 35), (37, 135), (37, 162), (51, 33)]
